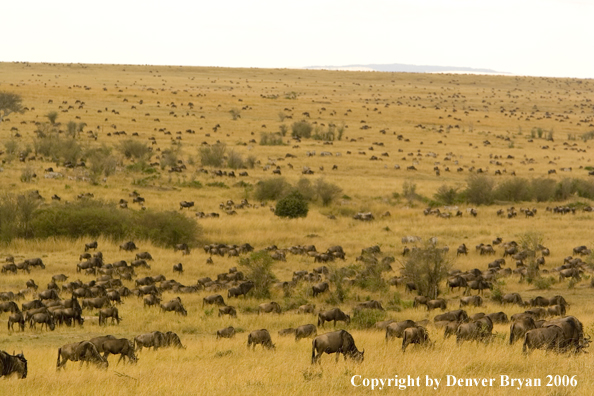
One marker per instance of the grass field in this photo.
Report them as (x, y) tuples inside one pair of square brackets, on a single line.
[(512, 124)]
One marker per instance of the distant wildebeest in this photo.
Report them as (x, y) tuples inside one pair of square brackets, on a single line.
[(90, 245), (420, 300), (320, 288), (548, 338), (183, 247), (518, 328), (228, 332), (307, 308), (174, 305), (286, 332), (438, 303), (458, 315), (111, 312), (228, 310), (396, 330), (186, 204), (43, 318), (261, 336), (178, 268), (336, 342), (17, 317), (128, 246), (498, 317), (415, 335), (304, 331), (213, 299), (512, 298), (156, 340), (475, 301), (462, 249), (479, 330), (123, 347), (335, 315), (240, 290), (144, 256), (372, 304), (83, 351), (13, 364), (269, 307)]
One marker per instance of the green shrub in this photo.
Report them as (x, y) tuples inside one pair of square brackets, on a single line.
[(213, 155), (134, 149), (366, 318), (292, 206), (543, 283), (271, 189), (306, 189), (479, 190), (301, 129), (543, 190), (235, 160), (447, 195), (258, 268), (271, 139), (57, 148), (327, 192), (516, 189)]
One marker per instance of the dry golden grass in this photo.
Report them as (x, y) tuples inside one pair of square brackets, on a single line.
[(395, 103)]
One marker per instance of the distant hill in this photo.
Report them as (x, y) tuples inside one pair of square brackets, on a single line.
[(399, 67)]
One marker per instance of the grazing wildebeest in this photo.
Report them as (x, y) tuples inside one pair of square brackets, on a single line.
[(335, 315), (9, 306), (261, 336), (111, 312), (144, 256), (98, 341), (304, 331), (83, 351), (90, 245), (128, 246), (396, 330), (269, 307), (438, 303), (479, 330), (173, 340), (476, 301), (512, 298), (13, 364), (286, 332), (186, 204), (307, 308), (228, 310), (35, 262), (185, 249), (479, 285), (573, 331), (556, 310), (372, 304), (32, 305), (498, 317), (43, 318), (415, 335), (458, 315), (228, 332), (335, 342), (178, 268), (320, 288), (548, 338), (123, 347), (240, 290), (420, 300), (31, 284), (50, 294), (539, 302), (17, 317), (156, 340), (518, 329), (462, 249), (174, 305), (9, 268), (558, 300), (213, 299)]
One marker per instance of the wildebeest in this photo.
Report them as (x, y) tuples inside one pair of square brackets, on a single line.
[(573, 333), (213, 299), (512, 298), (156, 340), (83, 351), (174, 305), (458, 315), (556, 310), (438, 303), (286, 332), (111, 312), (306, 308), (43, 318), (475, 301), (90, 245), (498, 317), (9, 268), (549, 338), (9, 306), (269, 307), (304, 331), (144, 256), (335, 342), (186, 204), (228, 310), (479, 330), (13, 364), (415, 335), (518, 329), (372, 304), (16, 318), (123, 347), (479, 285), (228, 332), (335, 315), (320, 288), (261, 336), (151, 300), (240, 290), (128, 246), (178, 268), (396, 330), (420, 300)]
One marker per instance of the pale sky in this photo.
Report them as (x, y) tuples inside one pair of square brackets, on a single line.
[(528, 37)]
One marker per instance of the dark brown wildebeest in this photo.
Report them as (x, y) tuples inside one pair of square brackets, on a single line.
[(156, 340), (383, 324), (573, 331), (539, 302), (228, 332), (50, 294), (479, 330), (450, 329), (90, 245), (320, 288), (178, 268), (98, 341), (458, 315), (335, 342), (573, 273), (83, 351), (261, 336), (32, 305), (537, 313), (173, 340), (518, 329), (548, 338), (438, 303), (186, 204), (17, 317), (43, 318), (111, 312), (396, 330), (9, 268), (68, 316), (286, 332), (9, 306), (13, 364), (415, 335), (31, 284), (228, 310), (150, 289), (479, 285), (269, 307), (558, 300), (213, 299), (475, 301), (512, 298), (35, 262), (240, 290), (462, 249), (144, 256), (183, 247), (372, 304), (307, 308), (304, 331), (420, 300), (498, 317), (128, 246), (334, 314), (95, 303), (174, 305), (556, 310), (151, 300), (123, 347)]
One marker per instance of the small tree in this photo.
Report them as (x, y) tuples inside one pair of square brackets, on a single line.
[(235, 114), (71, 128), (292, 206), (327, 192), (479, 190), (235, 160), (531, 242), (447, 195), (259, 270), (427, 268), (10, 103), (52, 116), (213, 155), (301, 129)]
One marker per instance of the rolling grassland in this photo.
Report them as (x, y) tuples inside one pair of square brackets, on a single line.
[(422, 120)]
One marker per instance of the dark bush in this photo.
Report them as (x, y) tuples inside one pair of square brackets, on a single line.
[(258, 269), (514, 190), (479, 190), (366, 318), (271, 189), (543, 190), (133, 149), (235, 160), (213, 155), (327, 192), (447, 195), (292, 206), (271, 139), (301, 129)]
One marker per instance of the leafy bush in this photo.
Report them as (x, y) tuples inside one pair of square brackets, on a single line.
[(271, 139), (327, 192), (235, 160), (366, 318), (258, 268), (427, 268), (101, 163), (170, 157), (213, 155), (301, 129), (543, 283), (306, 189), (514, 190), (447, 195), (57, 148), (479, 190), (543, 190), (292, 206), (271, 189), (134, 149)]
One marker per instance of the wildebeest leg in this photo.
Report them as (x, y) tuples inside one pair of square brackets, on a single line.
[(121, 357)]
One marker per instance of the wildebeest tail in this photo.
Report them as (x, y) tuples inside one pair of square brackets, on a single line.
[(313, 351), (59, 353)]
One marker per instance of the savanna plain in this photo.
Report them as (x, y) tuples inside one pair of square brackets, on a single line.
[(153, 131)]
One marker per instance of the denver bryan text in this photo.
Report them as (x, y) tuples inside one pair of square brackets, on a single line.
[(449, 381)]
